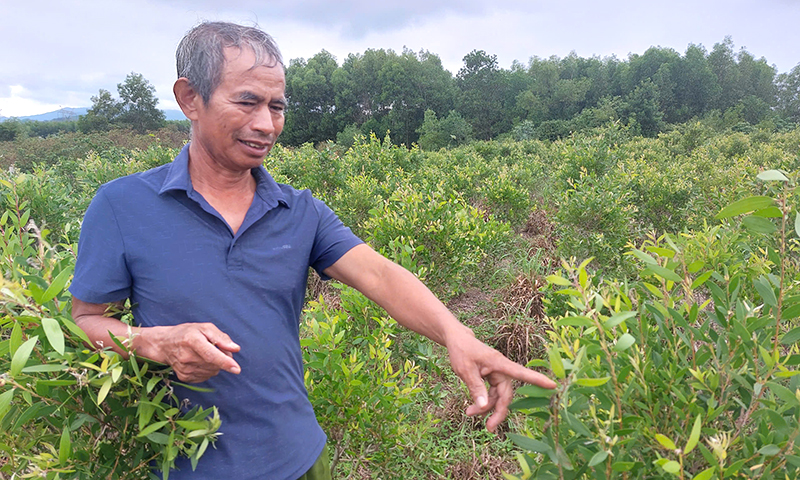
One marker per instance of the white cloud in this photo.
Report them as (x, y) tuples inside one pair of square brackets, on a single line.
[(19, 103)]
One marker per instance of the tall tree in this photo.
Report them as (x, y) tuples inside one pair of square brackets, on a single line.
[(312, 115), (135, 109), (382, 91), (482, 86), (788, 88), (138, 104)]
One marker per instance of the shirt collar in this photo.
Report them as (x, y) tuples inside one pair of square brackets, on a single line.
[(178, 179)]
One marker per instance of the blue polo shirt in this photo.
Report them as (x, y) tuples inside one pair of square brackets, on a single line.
[(152, 238)]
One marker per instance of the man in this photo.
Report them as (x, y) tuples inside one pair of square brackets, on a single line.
[(214, 255)]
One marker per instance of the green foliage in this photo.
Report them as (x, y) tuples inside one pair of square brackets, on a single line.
[(58, 195), (9, 130), (687, 371), (595, 217), (449, 216), (67, 411), (361, 393), (450, 131), (448, 236), (27, 151)]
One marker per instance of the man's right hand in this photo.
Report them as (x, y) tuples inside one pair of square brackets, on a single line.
[(195, 351)]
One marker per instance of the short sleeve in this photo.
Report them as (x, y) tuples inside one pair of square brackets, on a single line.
[(332, 240), (101, 272)]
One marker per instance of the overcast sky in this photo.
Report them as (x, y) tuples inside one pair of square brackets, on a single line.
[(59, 53)]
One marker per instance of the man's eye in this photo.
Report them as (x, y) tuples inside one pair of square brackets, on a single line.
[(247, 104)]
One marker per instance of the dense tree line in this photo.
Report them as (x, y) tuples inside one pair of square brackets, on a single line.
[(414, 98), (381, 90)]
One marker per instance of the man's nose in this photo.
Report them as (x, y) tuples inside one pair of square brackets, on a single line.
[(264, 121)]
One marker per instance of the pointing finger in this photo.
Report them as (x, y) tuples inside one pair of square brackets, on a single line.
[(524, 374)]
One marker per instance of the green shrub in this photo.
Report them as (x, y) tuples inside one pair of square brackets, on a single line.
[(688, 371), (595, 218), (451, 239), (67, 412), (361, 393)]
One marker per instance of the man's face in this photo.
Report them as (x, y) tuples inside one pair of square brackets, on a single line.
[(244, 116)]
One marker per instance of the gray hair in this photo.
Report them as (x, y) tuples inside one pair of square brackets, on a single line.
[(201, 54)]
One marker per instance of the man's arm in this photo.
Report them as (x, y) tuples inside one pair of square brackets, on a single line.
[(410, 302), (196, 351)]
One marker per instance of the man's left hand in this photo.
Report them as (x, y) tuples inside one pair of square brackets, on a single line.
[(474, 361)]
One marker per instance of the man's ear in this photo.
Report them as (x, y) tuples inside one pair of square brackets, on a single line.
[(187, 97)]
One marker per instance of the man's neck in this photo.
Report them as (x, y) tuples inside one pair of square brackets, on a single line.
[(210, 178)]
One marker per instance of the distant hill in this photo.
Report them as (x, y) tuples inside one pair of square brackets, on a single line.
[(65, 114)]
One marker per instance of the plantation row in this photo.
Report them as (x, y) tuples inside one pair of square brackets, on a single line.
[(684, 366)]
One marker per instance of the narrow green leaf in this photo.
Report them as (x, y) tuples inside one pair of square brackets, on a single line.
[(55, 336), (535, 391), (598, 458), (734, 468), (44, 368), (538, 362), (643, 257), (695, 266), (201, 450), (792, 336), (57, 286), (672, 467), (5, 401), (190, 425), (153, 427), (705, 474), (694, 436), (701, 279), (786, 395), (770, 175), (765, 290), (622, 466), (759, 224), (575, 322), (558, 280), (104, 389), (624, 342), (769, 450), (194, 388), (64, 447), (563, 458), (769, 212), (663, 272), (767, 356), (745, 205), (528, 403), (661, 252), (21, 356), (790, 312), (797, 224), (75, 330), (665, 442), (618, 318), (556, 365), (529, 444), (159, 438), (146, 411), (592, 382), (15, 340)]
